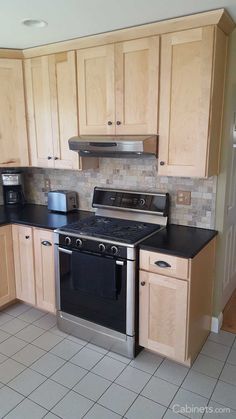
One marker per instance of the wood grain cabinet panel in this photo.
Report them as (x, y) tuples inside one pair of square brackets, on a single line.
[(44, 269), (191, 99), (137, 81), (118, 88), (13, 133), (96, 93), (7, 274), (52, 111), (24, 263), (163, 314)]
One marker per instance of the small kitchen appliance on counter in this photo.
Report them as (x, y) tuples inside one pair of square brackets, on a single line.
[(97, 267), (62, 201), (13, 192)]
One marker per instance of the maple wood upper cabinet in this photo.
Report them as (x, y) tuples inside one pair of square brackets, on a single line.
[(118, 88), (191, 99), (13, 133), (7, 278), (52, 112)]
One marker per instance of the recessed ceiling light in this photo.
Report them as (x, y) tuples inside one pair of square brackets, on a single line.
[(34, 23)]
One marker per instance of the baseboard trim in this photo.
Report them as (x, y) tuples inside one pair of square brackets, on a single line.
[(216, 323)]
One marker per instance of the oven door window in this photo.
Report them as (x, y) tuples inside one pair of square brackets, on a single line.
[(93, 287)]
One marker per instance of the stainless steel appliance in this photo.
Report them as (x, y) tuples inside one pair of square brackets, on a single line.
[(13, 188), (116, 146), (62, 201), (97, 267)]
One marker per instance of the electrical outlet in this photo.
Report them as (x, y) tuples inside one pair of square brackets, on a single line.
[(47, 184), (183, 197)]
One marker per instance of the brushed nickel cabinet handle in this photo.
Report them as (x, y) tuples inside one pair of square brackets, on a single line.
[(162, 264), (46, 243)]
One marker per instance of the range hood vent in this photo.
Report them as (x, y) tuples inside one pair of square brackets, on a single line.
[(118, 146)]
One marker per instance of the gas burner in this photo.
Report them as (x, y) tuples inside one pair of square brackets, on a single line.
[(114, 229)]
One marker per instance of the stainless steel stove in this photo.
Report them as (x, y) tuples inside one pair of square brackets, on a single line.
[(97, 267)]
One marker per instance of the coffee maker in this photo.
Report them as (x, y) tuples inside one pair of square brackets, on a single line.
[(12, 183)]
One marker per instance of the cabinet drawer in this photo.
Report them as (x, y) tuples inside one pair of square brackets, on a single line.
[(164, 264)]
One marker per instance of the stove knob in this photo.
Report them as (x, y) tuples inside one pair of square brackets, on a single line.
[(78, 242), (114, 250), (102, 247), (68, 241), (142, 202)]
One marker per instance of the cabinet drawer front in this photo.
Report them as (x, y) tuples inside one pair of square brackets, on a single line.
[(164, 264)]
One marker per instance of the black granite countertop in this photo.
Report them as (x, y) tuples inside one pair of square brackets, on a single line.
[(38, 216), (177, 240)]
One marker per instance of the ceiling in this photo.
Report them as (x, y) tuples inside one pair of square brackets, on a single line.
[(69, 19)]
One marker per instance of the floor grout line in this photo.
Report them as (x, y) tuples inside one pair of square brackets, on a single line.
[(103, 355)]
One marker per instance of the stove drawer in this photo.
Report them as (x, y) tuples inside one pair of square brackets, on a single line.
[(164, 264)]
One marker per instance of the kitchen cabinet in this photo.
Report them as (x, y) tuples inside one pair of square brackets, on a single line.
[(175, 302), (24, 263), (13, 133), (191, 101), (34, 266), (118, 87), (44, 269), (52, 112), (7, 279)]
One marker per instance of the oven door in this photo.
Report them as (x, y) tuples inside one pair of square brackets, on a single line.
[(93, 287)]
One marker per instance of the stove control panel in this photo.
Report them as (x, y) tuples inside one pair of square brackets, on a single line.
[(137, 201), (94, 246)]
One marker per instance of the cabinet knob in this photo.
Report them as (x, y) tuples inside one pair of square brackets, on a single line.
[(46, 243), (162, 163), (56, 158), (143, 283), (27, 237), (118, 122), (49, 158), (109, 123)]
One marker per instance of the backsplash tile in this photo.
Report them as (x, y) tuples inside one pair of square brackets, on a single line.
[(135, 174)]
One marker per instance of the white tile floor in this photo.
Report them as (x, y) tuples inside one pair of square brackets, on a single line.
[(45, 373)]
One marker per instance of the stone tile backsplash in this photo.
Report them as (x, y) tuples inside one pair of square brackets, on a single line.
[(135, 174)]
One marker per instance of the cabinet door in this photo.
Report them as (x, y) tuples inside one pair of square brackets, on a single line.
[(96, 90), (62, 71), (24, 263), (137, 80), (185, 95), (163, 314), (39, 119), (7, 279), (44, 269), (13, 134)]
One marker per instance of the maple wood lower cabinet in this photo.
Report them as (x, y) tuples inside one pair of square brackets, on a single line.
[(7, 279), (175, 303), (34, 266), (24, 263), (44, 269)]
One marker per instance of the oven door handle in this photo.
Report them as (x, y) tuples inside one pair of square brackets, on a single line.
[(61, 249), (120, 262)]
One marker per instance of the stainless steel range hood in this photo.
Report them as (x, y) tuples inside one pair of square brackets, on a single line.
[(132, 146)]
